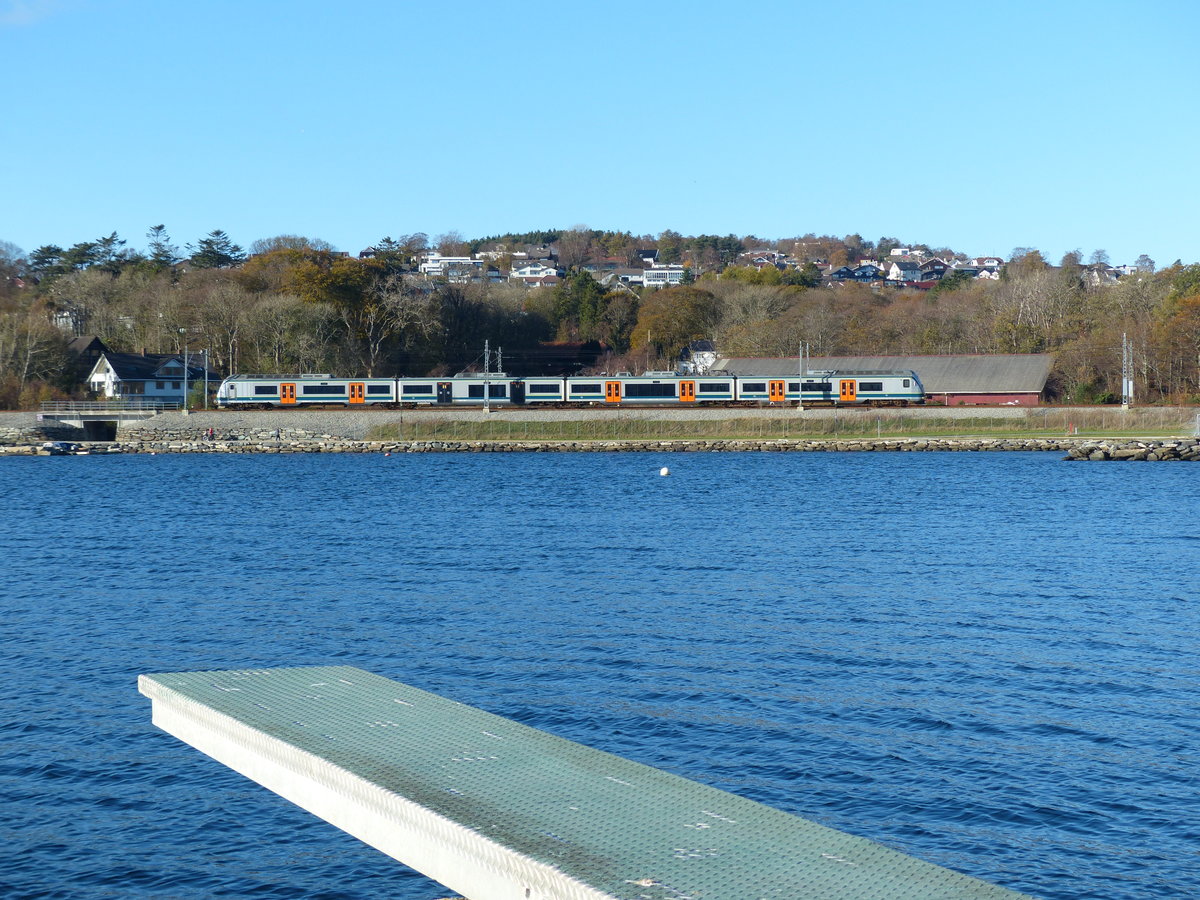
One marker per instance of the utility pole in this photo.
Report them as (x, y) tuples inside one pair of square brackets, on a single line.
[(803, 372), (487, 400), (1126, 371), (183, 331)]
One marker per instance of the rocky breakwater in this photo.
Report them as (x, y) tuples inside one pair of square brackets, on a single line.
[(1182, 449), (296, 442)]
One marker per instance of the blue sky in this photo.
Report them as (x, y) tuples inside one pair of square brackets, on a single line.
[(1056, 125)]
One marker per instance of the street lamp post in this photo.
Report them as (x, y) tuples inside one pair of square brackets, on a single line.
[(183, 331)]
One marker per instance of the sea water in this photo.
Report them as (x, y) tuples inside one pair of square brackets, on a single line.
[(986, 660)]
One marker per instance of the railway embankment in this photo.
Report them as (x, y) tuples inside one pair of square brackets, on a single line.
[(575, 431), (1074, 448)]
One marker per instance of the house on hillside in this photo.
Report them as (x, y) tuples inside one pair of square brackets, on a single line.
[(933, 269), (536, 274), (698, 357), (146, 377), (662, 276), (904, 270), (84, 352)]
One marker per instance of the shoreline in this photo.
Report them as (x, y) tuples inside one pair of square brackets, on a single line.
[(1090, 449)]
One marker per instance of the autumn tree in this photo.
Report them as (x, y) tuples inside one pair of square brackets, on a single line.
[(289, 242), (671, 318), (575, 247)]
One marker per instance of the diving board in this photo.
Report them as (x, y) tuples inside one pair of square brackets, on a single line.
[(496, 810)]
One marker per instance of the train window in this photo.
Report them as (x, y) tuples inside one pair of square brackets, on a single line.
[(906, 384), (715, 387), (650, 390), (498, 390), (754, 385), (793, 386), (870, 385), (543, 388), (269, 389), (339, 389), (379, 388), (417, 389), (587, 388), (819, 387), (475, 390)]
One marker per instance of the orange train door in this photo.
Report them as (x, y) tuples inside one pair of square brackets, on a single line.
[(612, 392), (846, 390), (687, 391), (287, 395), (777, 391), (357, 392)]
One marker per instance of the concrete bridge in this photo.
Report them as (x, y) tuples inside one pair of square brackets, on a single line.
[(100, 419)]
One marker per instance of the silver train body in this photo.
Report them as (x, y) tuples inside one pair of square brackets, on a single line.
[(832, 388)]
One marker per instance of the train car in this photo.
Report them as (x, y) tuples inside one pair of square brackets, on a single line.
[(290, 391), (651, 389), (833, 388), (534, 391)]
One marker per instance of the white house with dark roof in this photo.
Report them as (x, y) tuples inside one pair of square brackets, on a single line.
[(146, 377), (536, 274), (904, 270)]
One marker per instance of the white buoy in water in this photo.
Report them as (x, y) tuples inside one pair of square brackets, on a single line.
[(664, 471)]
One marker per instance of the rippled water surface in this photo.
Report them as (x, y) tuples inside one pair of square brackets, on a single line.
[(985, 660)]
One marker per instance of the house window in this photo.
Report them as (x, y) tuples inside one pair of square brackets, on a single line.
[(175, 385), (160, 385), (172, 370), (133, 387)]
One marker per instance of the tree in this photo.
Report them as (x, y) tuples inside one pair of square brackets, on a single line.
[(288, 242), (1144, 263), (216, 251), (47, 261), (575, 247), (163, 254), (579, 306), (451, 244), (12, 265), (670, 247), (1099, 258), (668, 319)]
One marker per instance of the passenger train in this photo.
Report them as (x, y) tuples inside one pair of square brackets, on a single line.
[(830, 388)]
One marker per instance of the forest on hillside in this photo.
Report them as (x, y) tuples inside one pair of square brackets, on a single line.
[(293, 304)]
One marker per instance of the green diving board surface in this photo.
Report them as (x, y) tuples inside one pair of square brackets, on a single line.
[(496, 810)]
